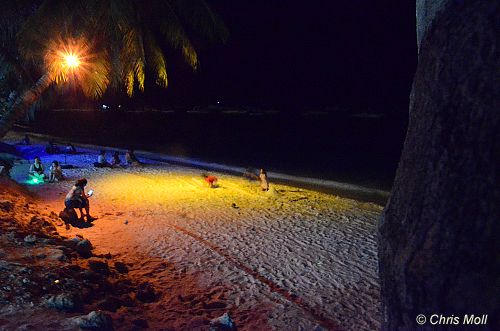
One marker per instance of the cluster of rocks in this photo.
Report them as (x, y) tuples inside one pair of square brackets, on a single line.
[(41, 269)]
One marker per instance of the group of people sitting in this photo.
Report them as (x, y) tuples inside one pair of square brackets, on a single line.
[(37, 171), (130, 160)]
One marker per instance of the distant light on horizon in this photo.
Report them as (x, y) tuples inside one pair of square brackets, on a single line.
[(218, 102)]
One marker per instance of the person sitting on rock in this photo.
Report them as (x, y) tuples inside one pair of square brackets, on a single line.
[(55, 174), (211, 180), (76, 198), (131, 159), (116, 162), (101, 161), (37, 172)]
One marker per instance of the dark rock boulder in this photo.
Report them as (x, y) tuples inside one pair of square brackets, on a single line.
[(84, 248), (121, 267), (98, 266), (6, 205), (95, 320), (65, 302), (222, 323), (110, 303), (146, 292)]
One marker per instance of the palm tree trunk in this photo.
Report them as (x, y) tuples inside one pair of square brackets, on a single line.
[(438, 244), (22, 104)]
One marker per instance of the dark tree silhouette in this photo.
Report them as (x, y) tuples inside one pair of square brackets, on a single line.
[(438, 239)]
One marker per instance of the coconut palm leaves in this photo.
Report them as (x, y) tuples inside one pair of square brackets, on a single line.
[(124, 38), (116, 41)]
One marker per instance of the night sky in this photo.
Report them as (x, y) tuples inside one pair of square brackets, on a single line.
[(357, 55)]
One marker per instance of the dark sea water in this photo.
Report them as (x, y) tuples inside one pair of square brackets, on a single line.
[(357, 149)]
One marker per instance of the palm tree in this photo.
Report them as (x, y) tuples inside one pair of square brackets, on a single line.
[(438, 238), (117, 42)]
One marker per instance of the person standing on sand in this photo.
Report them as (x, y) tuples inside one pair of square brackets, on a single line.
[(76, 198), (264, 183)]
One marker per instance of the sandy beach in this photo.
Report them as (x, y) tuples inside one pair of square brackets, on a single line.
[(286, 259)]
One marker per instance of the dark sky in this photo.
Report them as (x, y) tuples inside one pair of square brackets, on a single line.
[(351, 54)]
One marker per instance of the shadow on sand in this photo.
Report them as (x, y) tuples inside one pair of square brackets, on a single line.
[(79, 224)]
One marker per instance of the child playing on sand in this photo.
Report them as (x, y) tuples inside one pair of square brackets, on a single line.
[(211, 180), (76, 198), (37, 172), (264, 183), (55, 174)]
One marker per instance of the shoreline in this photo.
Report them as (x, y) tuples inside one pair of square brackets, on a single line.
[(343, 189)]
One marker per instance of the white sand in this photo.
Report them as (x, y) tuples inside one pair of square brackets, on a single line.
[(287, 259)]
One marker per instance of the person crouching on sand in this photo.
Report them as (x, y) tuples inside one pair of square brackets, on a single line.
[(264, 183), (76, 198), (211, 180), (37, 172), (55, 174)]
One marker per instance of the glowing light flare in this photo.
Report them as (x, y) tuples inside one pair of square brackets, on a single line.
[(34, 181), (66, 56), (79, 61), (72, 60)]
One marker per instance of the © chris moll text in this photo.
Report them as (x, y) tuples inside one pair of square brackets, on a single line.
[(456, 320)]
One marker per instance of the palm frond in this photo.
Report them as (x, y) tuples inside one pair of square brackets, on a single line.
[(156, 60), (202, 19), (171, 28), (96, 79), (132, 58)]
